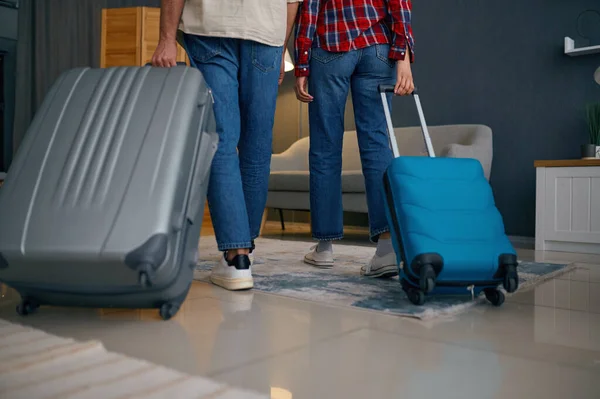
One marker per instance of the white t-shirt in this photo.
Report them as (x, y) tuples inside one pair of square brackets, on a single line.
[(263, 21)]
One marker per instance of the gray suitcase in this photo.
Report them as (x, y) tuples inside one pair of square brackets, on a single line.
[(103, 204)]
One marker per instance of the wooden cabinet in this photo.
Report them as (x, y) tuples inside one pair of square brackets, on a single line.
[(130, 36), (560, 225)]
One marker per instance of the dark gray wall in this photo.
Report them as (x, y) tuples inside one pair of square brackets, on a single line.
[(8, 45), (8, 23), (480, 61)]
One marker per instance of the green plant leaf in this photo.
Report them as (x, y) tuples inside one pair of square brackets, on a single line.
[(593, 121)]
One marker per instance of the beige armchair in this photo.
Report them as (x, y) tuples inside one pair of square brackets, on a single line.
[(289, 180)]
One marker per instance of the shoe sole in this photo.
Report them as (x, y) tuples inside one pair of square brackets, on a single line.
[(233, 284), (383, 272), (320, 265)]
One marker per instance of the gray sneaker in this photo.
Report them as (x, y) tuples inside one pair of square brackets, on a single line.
[(381, 267), (323, 260)]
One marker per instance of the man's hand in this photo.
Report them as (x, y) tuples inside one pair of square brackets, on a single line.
[(301, 89), (166, 52), (282, 70), (165, 55), (404, 79)]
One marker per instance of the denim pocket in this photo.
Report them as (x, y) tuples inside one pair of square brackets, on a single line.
[(201, 48), (324, 56), (383, 51), (266, 58)]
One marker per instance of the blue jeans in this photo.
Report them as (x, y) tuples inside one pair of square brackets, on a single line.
[(243, 77), (331, 77)]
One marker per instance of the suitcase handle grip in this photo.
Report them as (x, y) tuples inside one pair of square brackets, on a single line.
[(384, 90), (390, 89)]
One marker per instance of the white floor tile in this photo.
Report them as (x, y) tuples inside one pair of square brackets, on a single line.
[(542, 343)]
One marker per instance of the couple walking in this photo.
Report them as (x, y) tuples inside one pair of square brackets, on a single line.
[(341, 47)]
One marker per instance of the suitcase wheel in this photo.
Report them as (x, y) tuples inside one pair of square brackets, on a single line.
[(427, 279), (168, 310), (417, 297), (144, 280), (495, 296), (27, 306), (511, 279)]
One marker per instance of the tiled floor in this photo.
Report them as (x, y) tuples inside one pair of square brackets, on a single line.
[(541, 344)]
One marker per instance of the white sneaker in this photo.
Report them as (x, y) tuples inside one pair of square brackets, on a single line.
[(235, 275), (381, 266), (323, 259)]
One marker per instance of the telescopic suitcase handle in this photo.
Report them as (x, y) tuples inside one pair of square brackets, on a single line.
[(383, 91)]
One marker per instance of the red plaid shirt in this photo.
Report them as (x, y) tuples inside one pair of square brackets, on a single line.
[(344, 25)]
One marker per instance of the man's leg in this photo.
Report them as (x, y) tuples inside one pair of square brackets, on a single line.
[(218, 60), (258, 77), (328, 83), (374, 69)]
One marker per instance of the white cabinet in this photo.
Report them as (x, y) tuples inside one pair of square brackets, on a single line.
[(568, 206)]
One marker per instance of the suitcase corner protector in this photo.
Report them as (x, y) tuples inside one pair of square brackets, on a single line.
[(153, 252)]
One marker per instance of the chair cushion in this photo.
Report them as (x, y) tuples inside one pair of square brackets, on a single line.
[(299, 181), (290, 180), (353, 181)]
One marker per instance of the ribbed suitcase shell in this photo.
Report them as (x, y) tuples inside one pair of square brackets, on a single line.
[(108, 188)]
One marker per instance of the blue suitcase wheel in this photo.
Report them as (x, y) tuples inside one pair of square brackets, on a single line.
[(511, 279), (510, 284), (416, 297), (427, 279), (495, 296)]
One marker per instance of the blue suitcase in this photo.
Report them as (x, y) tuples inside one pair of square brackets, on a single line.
[(447, 232)]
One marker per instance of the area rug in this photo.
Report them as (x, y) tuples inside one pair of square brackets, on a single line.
[(36, 365), (279, 269)]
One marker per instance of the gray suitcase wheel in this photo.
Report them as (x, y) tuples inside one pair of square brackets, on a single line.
[(144, 280), (168, 310), (145, 275), (27, 306)]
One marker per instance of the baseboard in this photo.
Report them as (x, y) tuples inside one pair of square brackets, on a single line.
[(522, 242)]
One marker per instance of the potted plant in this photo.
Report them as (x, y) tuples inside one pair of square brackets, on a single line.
[(592, 150)]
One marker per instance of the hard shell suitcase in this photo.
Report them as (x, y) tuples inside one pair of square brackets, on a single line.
[(445, 226), (103, 204)]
